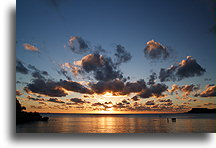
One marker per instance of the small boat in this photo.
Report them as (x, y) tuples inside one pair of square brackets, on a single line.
[(173, 119)]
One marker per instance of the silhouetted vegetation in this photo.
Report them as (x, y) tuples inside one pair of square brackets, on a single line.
[(23, 117), (202, 110)]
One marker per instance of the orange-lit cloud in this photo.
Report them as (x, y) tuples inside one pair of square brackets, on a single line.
[(30, 47), (209, 92), (155, 50)]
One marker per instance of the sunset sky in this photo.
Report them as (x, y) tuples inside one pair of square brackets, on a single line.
[(115, 56)]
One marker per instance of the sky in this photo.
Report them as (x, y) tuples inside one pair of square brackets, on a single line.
[(115, 56)]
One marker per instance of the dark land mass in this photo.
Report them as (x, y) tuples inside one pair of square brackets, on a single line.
[(202, 110), (23, 117)]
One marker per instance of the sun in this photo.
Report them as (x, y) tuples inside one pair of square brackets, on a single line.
[(107, 111), (111, 95), (108, 94)]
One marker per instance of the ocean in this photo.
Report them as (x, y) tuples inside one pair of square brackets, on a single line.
[(133, 123)]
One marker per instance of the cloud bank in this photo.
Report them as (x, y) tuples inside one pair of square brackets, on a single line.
[(185, 69)]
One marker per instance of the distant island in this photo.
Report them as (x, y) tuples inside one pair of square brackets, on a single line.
[(23, 117), (202, 110)]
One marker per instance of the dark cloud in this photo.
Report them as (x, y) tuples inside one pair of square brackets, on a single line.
[(65, 73), (155, 90), (97, 104), (78, 45), (125, 102), (55, 89), (45, 87), (151, 102), (122, 55), (55, 100), (102, 67), (135, 98), (20, 67), (164, 100), (18, 93), (117, 87), (209, 104), (119, 105), (155, 51), (209, 92), (187, 68), (152, 78), (101, 87), (37, 73), (78, 101), (74, 86), (99, 49), (35, 99), (108, 103), (168, 103)]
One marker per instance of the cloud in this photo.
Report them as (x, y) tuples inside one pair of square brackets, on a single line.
[(122, 55), (135, 98), (152, 79), (37, 73), (209, 104), (209, 92), (74, 86), (119, 105), (55, 100), (45, 87), (155, 51), (117, 87), (36, 107), (78, 45), (151, 102), (18, 93), (101, 87), (97, 104), (20, 67), (35, 99), (99, 49), (102, 67), (164, 100), (155, 90), (55, 89), (175, 88), (30, 47), (185, 69), (65, 73), (186, 89), (78, 101), (125, 101), (71, 68)]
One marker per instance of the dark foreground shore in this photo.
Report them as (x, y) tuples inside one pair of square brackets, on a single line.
[(23, 117)]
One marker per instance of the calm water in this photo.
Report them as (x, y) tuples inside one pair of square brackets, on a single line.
[(148, 123)]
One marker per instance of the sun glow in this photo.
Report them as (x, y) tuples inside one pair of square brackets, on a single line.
[(109, 94)]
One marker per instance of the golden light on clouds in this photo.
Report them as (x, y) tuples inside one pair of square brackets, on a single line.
[(30, 47)]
